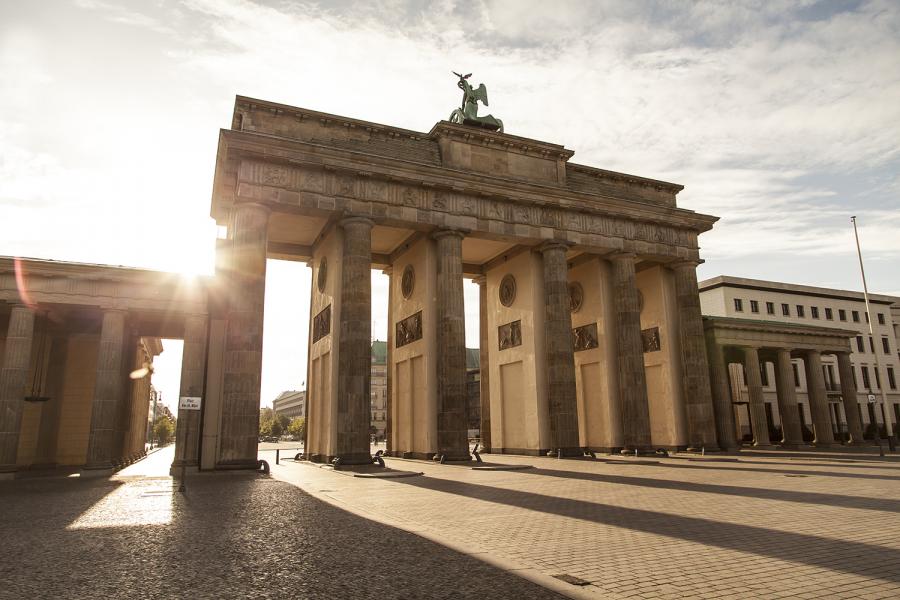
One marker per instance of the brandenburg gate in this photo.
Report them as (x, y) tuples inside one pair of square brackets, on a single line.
[(591, 333)]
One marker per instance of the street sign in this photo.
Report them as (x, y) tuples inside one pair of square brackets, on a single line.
[(871, 398), (189, 403)]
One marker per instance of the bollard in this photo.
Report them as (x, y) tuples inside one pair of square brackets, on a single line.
[(703, 451), (277, 455)]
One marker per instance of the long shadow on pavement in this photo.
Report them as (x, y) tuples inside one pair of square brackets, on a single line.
[(837, 555), (231, 535), (707, 466), (879, 504)]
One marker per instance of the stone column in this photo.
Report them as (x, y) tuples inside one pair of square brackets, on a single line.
[(560, 351), (484, 364), (787, 399), (818, 401), (632, 382), (452, 425), (694, 368), (848, 394), (721, 393), (13, 381), (48, 433), (109, 392), (354, 412), (193, 365), (242, 363), (757, 403), (389, 368)]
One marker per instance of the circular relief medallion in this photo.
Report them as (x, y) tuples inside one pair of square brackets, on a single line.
[(407, 281), (640, 298), (576, 296), (507, 290), (322, 277)]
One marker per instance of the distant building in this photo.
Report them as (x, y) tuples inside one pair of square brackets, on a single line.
[(290, 404), (379, 388), (473, 391)]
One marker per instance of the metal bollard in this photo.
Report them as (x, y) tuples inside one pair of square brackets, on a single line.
[(277, 455)]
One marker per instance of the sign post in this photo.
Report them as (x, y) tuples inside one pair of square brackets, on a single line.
[(186, 403)]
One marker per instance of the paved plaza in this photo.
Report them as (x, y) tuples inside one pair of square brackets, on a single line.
[(764, 525)]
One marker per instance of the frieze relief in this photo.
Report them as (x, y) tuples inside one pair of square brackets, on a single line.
[(397, 193), (409, 330), (585, 337), (650, 339), (509, 335), (322, 324)]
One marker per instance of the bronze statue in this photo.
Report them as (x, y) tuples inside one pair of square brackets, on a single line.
[(467, 113)]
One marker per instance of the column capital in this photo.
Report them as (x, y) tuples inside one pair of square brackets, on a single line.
[(439, 233), (621, 255), (356, 219), (554, 245), (388, 270), (251, 204), (480, 279), (685, 264)]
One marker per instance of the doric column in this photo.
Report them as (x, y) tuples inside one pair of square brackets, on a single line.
[(109, 393), (695, 371), (757, 403), (818, 402), (13, 381), (193, 363), (787, 399), (354, 411), (848, 394), (721, 393), (484, 364), (244, 338), (452, 426), (48, 433), (560, 350), (632, 382), (389, 368)]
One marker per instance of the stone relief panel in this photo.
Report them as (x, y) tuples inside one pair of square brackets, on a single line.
[(409, 330), (585, 337), (509, 335), (322, 324), (650, 339), (322, 275), (507, 291)]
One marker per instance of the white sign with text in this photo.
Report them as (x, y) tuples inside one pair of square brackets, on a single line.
[(189, 403)]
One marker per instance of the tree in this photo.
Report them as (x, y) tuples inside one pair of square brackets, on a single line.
[(163, 430), (297, 428)]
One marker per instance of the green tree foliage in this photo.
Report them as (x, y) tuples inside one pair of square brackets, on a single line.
[(297, 427), (163, 431), (271, 424)]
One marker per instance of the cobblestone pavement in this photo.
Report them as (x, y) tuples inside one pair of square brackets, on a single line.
[(764, 525), (231, 535)]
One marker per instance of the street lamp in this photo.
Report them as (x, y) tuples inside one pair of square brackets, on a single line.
[(885, 414)]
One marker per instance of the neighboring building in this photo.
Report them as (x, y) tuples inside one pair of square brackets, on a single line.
[(473, 391), (379, 389), (290, 404), (798, 305)]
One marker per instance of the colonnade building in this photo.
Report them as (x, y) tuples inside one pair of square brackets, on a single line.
[(801, 362), (590, 315)]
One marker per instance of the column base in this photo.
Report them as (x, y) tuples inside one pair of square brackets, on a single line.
[(639, 451), (7, 475), (453, 457), (764, 446), (228, 465), (362, 458), (792, 446), (175, 470), (94, 471)]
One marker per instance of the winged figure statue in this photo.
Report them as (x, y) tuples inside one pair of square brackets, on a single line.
[(467, 113)]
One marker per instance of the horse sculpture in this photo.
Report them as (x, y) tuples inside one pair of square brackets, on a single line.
[(467, 113)]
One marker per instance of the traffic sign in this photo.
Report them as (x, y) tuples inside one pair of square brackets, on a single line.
[(191, 403)]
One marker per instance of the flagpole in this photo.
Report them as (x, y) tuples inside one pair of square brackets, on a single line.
[(886, 414)]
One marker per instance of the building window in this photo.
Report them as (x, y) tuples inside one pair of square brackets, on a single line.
[(786, 310), (867, 317), (885, 345), (796, 374), (738, 305), (842, 314), (871, 344), (764, 374), (855, 314), (877, 378), (829, 314), (855, 382), (800, 311), (859, 344), (754, 306), (881, 318), (867, 383), (892, 381), (814, 312), (770, 308)]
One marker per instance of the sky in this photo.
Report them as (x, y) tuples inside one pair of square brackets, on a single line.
[(780, 117)]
